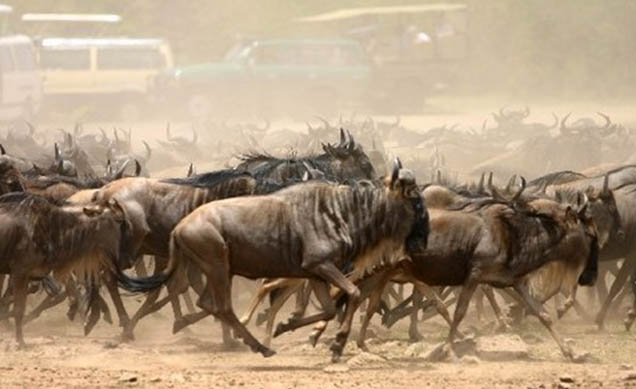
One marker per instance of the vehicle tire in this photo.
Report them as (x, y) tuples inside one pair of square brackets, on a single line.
[(130, 112), (199, 107)]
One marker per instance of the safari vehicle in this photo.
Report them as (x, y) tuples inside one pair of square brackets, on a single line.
[(416, 49), (102, 71), (319, 75), (20, 79)]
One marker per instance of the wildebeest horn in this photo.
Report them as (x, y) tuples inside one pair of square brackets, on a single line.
[(581, 202), (526, 112), (483, 126), (502, 112), (324, 122), (195, 136), (190, 170), (168, 137), (521, 189), (310, 129), (396, 171), (31, 128), (116, 135), (109, 168), (511, 182), (137, 168), (60, 166), (148, 150), (605, 190), (57, 152), (104, 136), (608, 121), (480, 186), (564, 128), (266, 126), (343, 139), (2, 151), (438, 177), (120, 172), (556, 121)]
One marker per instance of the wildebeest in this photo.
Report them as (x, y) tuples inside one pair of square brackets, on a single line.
[(39, 237), (309, 230)]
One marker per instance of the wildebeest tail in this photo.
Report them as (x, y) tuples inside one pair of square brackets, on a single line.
[(141, 285)]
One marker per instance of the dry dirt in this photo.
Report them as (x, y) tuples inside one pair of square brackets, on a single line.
[(60, 356)]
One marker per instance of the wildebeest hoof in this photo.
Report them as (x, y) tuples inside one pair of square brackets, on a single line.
[(127, 336), (336, 350), (231, 345), (415, 336), (362, 346), (267, 352), (124, 322), (178, 325), (281, 328)]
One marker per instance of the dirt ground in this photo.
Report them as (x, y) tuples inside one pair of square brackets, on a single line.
[(60, 356)]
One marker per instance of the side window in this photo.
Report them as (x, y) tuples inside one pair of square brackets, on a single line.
[(274, 55), (138, 58), (24, 57), (65, 59), (6, 59)]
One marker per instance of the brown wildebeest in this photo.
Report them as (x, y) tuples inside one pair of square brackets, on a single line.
[(502, 244), (39, 238), (309, 230)]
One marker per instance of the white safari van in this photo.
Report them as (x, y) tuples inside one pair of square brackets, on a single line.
[(20, 79), (105, 72)]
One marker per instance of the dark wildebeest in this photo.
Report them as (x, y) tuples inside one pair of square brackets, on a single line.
[(155, 207), (502, 244), (309, 230), (39, 238), (344, 161)]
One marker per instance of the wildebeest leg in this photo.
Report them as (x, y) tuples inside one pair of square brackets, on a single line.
[(621, 278), (568, 303), (330, 272), (479, 302), (501, 320), (140, 268), (20, 284), (631, 315), (414, 332), (111, 285), (263, 290), (460, 309), (321, 290), (539, 311), (276, 305), (302, 300), (430, 294), (48, 302), (372, 306), (188, 301)]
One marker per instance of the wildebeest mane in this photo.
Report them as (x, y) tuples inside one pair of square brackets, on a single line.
[(44, 182), (210, 179), (561, 177)]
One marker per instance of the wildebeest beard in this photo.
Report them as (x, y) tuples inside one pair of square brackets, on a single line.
[(590, 273), (418, 237)]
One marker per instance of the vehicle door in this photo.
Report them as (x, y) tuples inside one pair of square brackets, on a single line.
[(66, 70), (127, 69)]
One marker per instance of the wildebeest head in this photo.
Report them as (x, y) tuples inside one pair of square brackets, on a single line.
[(11, 180), (401, 184), (114, 230), (349, 158)]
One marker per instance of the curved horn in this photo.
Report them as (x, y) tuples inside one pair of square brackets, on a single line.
[(608, 121), (556, 121), (168, 137), (2, 151), (395, 173), (195, 136), (58, 155), (116, 135), (148, 151), (605, 190), (31, 128), (190, 170), (137, 168), (581, 202), (563, 127), (343, 139), (526, 112), (480, 186), (120, 172), (398, 120), (324, 122), (521, 189), (511, 182)]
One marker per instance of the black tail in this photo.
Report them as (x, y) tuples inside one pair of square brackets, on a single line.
[(141, 285)]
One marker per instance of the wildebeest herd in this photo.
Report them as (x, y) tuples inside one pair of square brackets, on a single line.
[(340, 221)]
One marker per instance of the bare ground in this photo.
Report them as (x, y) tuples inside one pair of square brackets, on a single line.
[(60, 356)]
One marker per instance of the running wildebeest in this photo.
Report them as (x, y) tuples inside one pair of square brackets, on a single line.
[(39, 238), (309, 230)]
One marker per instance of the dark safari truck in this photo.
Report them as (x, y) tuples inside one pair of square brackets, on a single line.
[(275, 75)]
